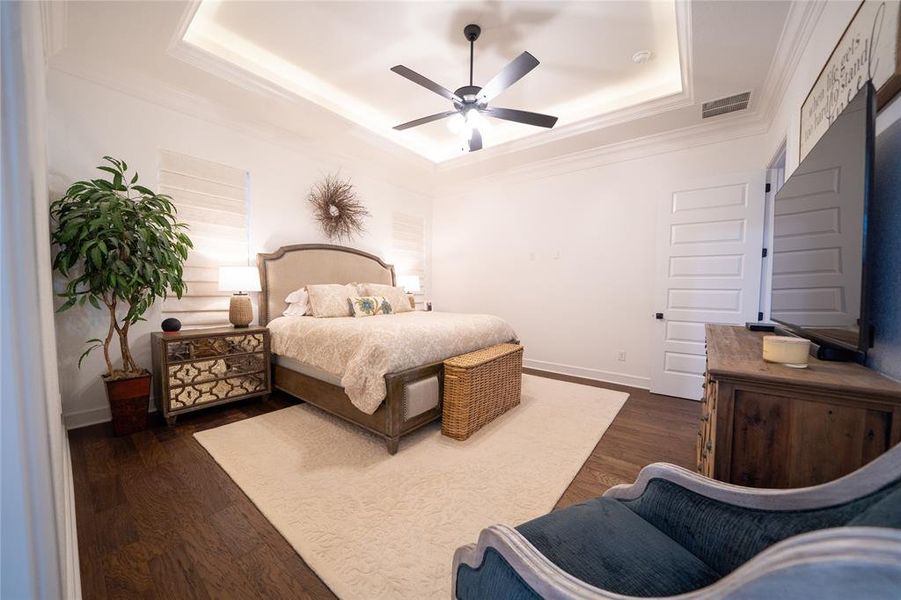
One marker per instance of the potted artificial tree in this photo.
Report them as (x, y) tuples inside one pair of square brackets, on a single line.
[(121, 248)]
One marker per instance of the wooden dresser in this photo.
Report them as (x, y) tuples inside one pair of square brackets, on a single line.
[(768, 425), (198, 368)]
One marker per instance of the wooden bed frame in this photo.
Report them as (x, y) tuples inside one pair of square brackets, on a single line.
[(303, 264)]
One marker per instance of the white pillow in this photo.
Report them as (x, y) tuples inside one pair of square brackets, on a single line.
[(296, 310), (395, 295), (298, 303), (331, 299), (298, 295)]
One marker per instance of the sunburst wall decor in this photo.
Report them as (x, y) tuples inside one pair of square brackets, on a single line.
[(335, 205)]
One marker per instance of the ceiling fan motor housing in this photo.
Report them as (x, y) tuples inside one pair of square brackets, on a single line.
[(469, 94)]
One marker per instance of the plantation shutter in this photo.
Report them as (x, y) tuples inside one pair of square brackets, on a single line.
[(408, 249), (212, 200)]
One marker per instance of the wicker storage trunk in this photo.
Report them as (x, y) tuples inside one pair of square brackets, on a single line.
[(479, 387)]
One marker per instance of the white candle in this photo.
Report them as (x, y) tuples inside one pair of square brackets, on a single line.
[(786, 350)]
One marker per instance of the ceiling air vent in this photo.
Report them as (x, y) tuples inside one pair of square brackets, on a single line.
[(725, 105)]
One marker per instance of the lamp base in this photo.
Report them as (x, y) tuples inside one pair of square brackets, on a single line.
[(240, 310)]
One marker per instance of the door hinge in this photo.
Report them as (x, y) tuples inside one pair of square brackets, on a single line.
[(768, 188), (764, 253), (760, 316)]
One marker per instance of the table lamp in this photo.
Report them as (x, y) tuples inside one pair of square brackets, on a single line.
[(239, 280), (410, 283)]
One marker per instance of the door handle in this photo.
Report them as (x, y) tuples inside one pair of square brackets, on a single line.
[(658, 316)]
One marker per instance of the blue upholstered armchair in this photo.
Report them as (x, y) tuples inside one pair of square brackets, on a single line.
[(676, 533)]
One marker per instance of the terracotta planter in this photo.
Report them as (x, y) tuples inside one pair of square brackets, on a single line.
[(128, 401)]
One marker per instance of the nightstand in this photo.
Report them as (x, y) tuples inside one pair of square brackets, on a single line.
[(197, 368)]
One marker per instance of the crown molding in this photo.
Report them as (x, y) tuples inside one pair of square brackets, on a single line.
[(799, 26), (210, 63), (642, 110), (54, 22), (201, 108), (246, 78), (660, 143)]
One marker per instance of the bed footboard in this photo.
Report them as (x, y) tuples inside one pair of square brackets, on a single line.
[(404, 410)]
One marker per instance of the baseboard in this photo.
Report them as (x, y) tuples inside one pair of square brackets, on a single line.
[(92, 416), (594, 375)]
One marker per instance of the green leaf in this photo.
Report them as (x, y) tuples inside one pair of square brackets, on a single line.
[(88, 351)]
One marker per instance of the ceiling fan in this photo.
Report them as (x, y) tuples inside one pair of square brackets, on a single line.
[(471, 101)]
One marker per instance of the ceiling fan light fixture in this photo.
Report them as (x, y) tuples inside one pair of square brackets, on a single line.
[(456, 123), (474, 118)]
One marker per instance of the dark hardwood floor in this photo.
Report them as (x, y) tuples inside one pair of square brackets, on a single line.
[(158, 518)]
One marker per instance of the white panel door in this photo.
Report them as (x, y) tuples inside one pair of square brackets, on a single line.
[(709, 242)]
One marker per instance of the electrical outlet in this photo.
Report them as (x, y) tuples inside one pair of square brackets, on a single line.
[(621, 356)]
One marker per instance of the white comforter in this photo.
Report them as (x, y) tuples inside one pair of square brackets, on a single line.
[(362, 350)]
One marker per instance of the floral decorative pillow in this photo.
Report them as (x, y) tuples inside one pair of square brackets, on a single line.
[(395, 295), (367, 306), (331, 299)]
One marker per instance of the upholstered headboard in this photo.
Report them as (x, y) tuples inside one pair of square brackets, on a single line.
[(291, 267)]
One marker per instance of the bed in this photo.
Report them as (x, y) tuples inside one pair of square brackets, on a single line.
[(347, 366)]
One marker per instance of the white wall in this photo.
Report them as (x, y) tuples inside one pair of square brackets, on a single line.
[(786, 124), (87, 121), (575, 312), (588, 292)]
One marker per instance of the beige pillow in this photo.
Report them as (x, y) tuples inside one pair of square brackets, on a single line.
[(395, 295), (331, 299)]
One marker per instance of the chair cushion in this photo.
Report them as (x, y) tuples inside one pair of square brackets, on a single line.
[(605, 544)]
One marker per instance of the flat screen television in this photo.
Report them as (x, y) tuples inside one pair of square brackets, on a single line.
[(819, 286)]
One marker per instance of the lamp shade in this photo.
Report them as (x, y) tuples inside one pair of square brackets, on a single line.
[(410, 283), (239, 279)]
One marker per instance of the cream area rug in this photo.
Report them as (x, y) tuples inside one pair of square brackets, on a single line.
[(378, 526)]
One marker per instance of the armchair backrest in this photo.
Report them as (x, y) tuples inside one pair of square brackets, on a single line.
[(726, 525), (884, 513)]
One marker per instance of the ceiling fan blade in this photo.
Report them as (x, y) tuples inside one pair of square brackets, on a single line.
[(475, 141), (425, 82), (425, 120), (521, 116), (509, 75)]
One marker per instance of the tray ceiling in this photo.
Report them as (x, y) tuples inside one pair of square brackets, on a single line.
[(338, 55)]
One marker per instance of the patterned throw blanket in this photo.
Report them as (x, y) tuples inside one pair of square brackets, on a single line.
[(361, 351)]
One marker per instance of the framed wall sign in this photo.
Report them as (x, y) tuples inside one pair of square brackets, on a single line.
[(870, 48)]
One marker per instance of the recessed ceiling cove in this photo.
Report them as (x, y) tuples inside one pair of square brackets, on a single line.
[(339, 55)]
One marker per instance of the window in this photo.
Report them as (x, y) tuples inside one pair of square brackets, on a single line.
[(408, 249), (212, 200)]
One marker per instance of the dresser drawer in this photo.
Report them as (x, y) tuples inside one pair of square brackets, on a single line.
[(208, 347), (196, 394), (200, 371)]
